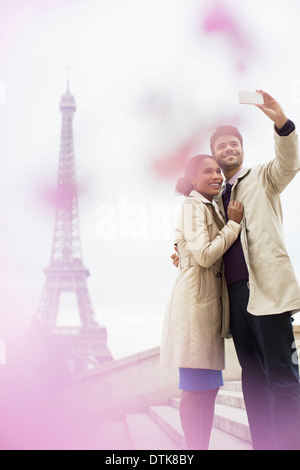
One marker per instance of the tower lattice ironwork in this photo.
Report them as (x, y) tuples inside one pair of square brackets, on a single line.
[(85, 344)]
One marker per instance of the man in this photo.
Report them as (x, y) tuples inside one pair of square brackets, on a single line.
[(262, 286)]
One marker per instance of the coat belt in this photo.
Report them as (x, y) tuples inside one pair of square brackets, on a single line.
[(188, 261)]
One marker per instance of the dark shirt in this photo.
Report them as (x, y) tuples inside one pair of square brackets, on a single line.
[(234, 260)]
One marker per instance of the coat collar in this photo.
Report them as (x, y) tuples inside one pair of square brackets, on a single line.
[(218, 217), (236, 176), (199, 197), (243, 173)]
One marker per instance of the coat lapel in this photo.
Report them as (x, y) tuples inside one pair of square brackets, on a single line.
[(218, 200), (214, 208)]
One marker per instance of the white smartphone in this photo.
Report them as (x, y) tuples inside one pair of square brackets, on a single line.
[(251, 97)]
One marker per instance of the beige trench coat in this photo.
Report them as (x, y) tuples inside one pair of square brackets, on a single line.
[(273, 284), (197, 313)]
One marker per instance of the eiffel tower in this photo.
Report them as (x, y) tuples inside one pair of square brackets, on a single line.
[(85, 345)]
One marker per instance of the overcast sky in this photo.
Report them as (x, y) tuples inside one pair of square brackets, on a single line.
[(151, 81)]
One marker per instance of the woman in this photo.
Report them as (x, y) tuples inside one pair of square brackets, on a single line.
[(197, 316)]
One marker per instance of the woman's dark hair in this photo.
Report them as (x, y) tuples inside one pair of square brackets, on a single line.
[(224, 130), (184, 185)]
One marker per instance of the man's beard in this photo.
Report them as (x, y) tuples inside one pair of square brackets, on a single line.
[(231, 165)]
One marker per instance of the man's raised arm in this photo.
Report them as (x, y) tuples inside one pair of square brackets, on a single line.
[(281, 170)]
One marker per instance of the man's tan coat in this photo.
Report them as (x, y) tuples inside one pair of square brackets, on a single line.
[(272, 281)]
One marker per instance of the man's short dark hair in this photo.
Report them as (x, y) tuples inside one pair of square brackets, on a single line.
[(224, 130)]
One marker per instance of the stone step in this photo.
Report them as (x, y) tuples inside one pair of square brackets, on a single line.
[(230, 414), (231, 398), (146, 434), (160, 427), (221, 440), (234, 385), (113, 434), (167, 416), (169, 420), (232, 420), (224, 397)]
